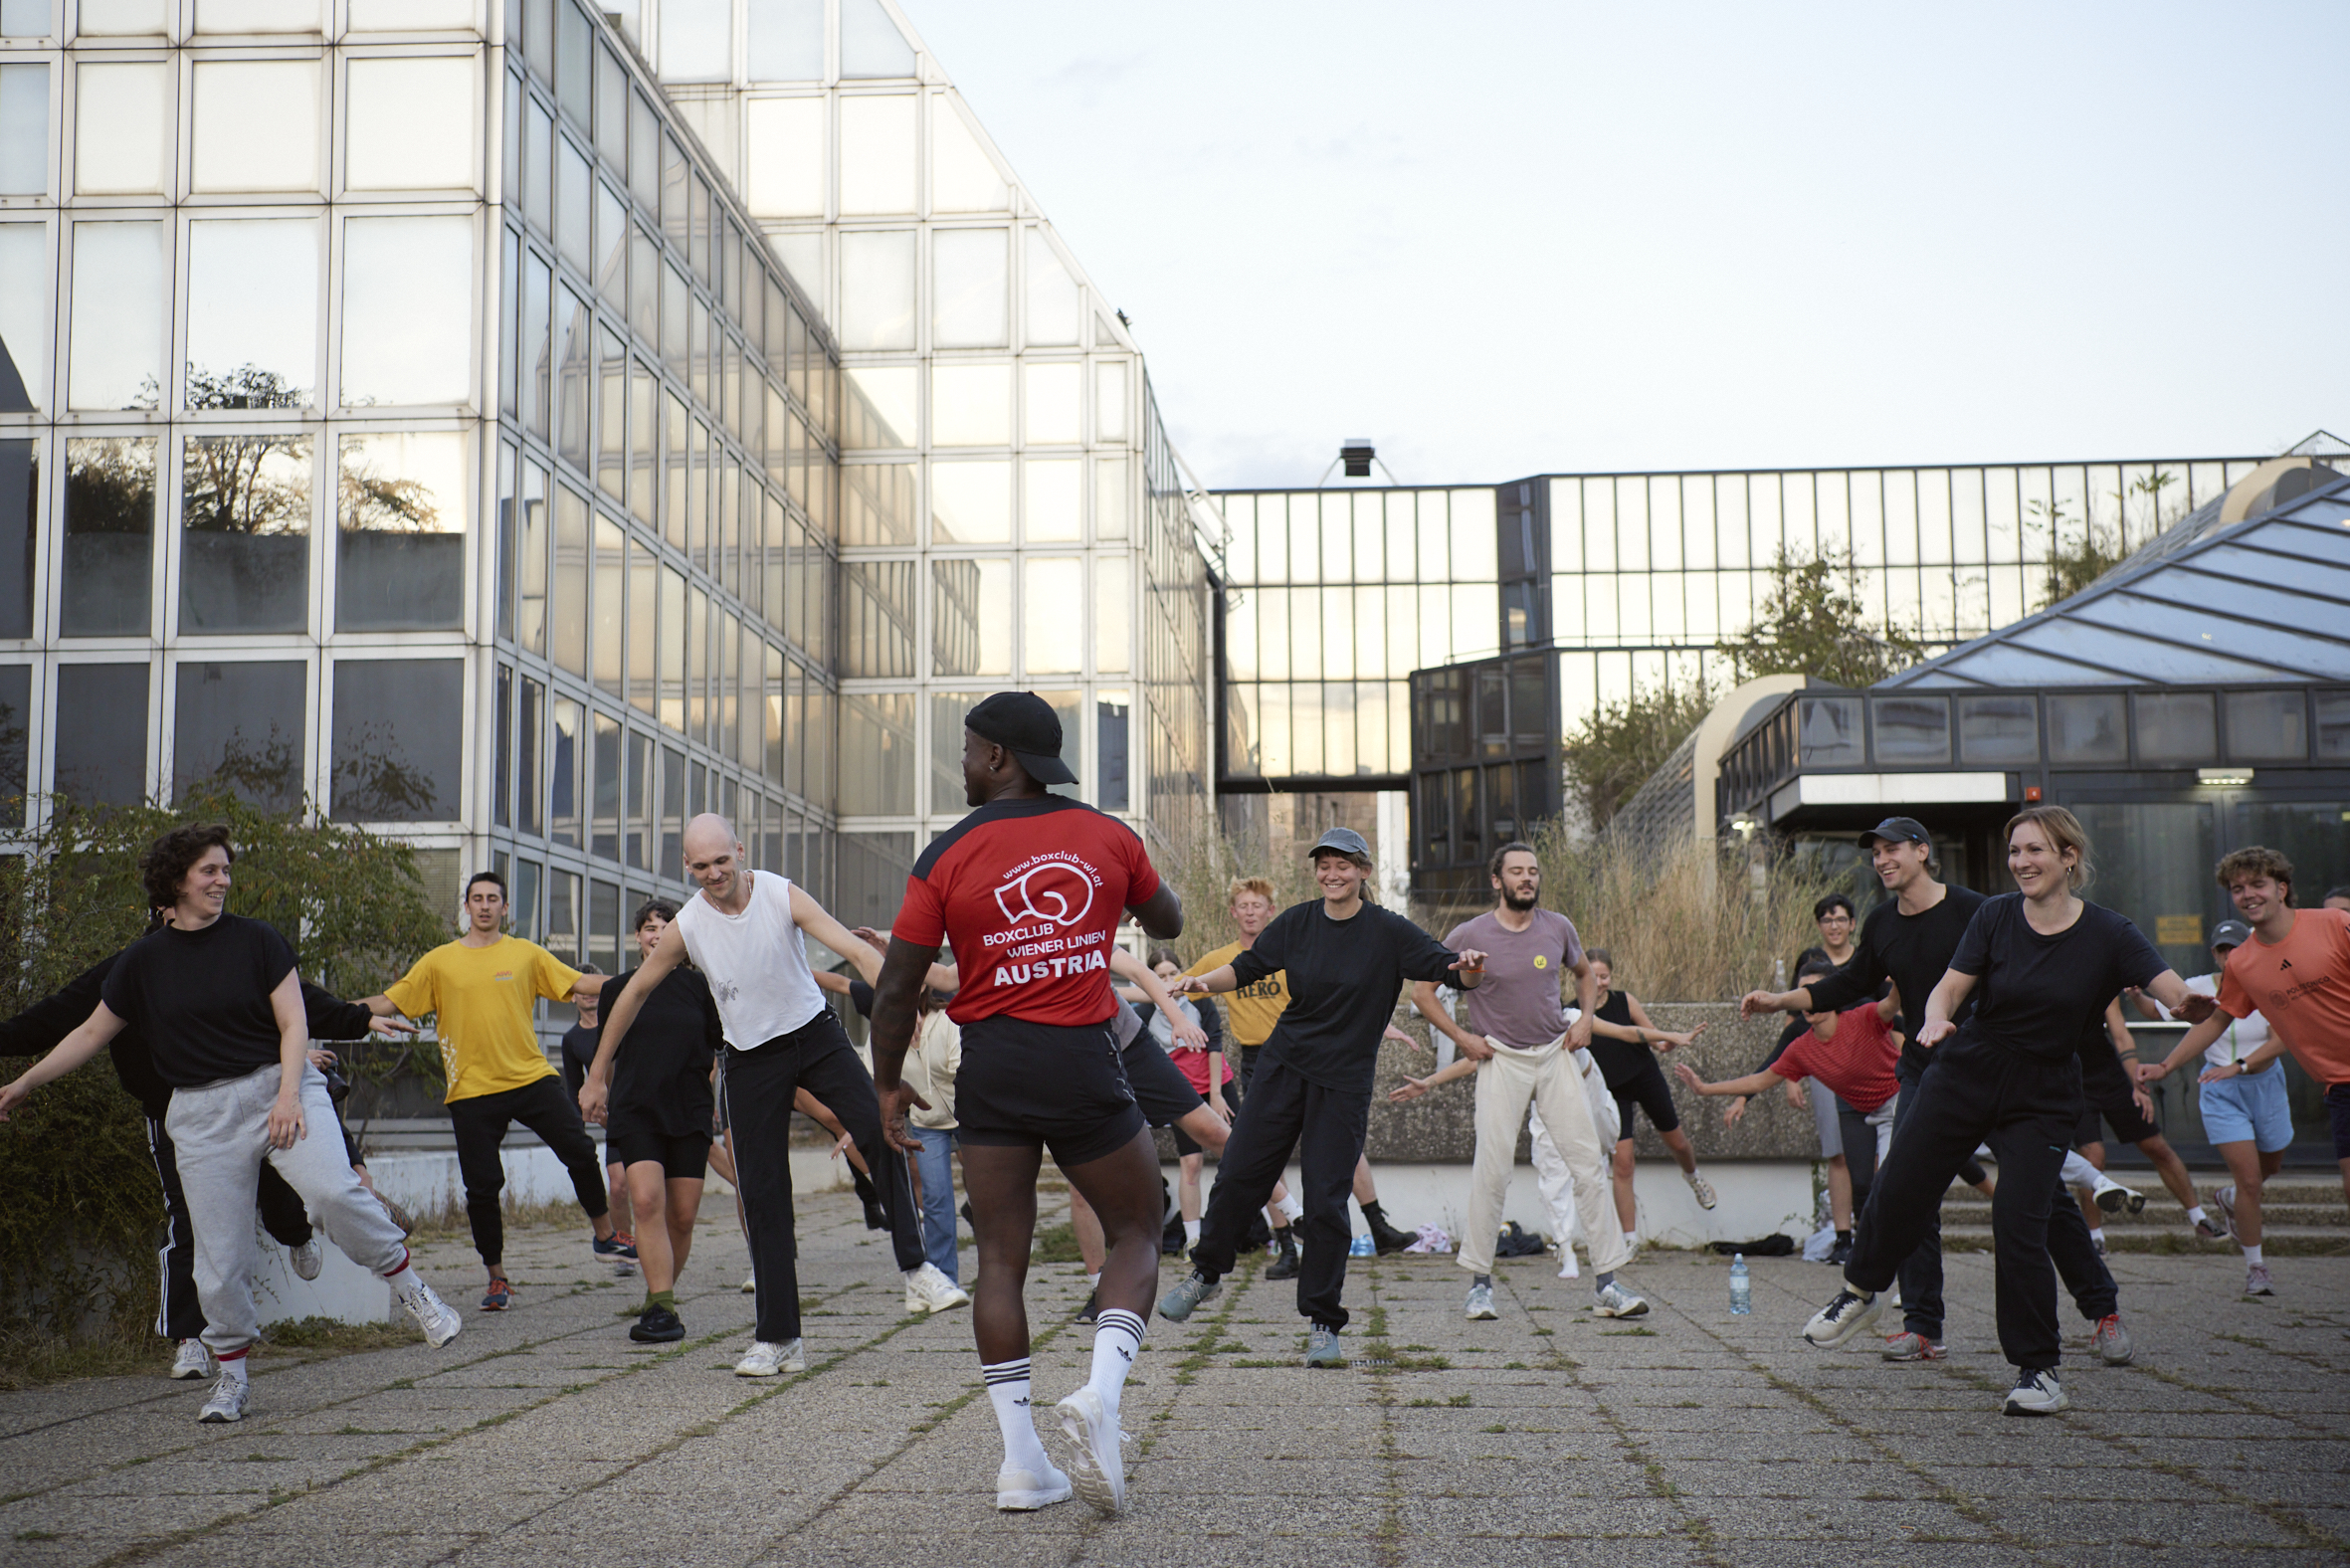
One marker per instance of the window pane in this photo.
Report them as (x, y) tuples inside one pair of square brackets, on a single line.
[(109, 537), (565, 797), (971, 405), (574, 333), (252, 312), (971, 503), (878, 753), (538, 159), (119, 128), (1055, 588), (2267, 727), (16, 697), (119, 290), (240, 726), (24, 130), (24, 317), (20, 520), (530, 560), (402, 512), (1829, 731), (637, 826), (876, 157), (611, 249), (877, 504), (531, 758), (1109, 497), (1109, 400), (410, 124), (612, 108), (2154, 860), (604, 828), (102, 734), (871, 45), (569, 610), (255, 125), (1113, 633), (257, 16), (971, 617), (2086, 727), (245, 521), (1052, 395), (1055, 308), (1912, 729), (603, 922), (645, 633), (970, 280), (878, 617), (1998, 729), (2176, 727), (884, 404), (1111, 721), (574, 50), (786, 41), (408, 325), (694, 40), (786, 176), (1054, 508), (877, 290), (611, 414), (398, 739), (610, 600)]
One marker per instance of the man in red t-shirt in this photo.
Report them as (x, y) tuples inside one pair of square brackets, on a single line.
[(1030, 889)]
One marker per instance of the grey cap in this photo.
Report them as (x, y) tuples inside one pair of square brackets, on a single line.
[(2230, 933), (1897, 829), (1346, 841)]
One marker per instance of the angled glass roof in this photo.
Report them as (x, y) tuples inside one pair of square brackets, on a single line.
[(2261, 601)]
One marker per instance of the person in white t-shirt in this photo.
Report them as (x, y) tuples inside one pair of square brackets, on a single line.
[(2245, 1114)]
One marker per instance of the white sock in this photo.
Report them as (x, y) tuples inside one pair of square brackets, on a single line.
[(2195, 1215), (405, 1281), (2078, 1172), (1630, 1240), (1007, 1391), (1117, 1339), (2252, 1255), (1093, 1280), (2098, 1233), (1190, 1232), (234, 1366), (1292, 1208)]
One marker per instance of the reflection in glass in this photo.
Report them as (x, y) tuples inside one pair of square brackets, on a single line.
[(401, 507), (644, 455), (120, 134), (877, 752), (564, 928), (871, 45), (694, 35), (877, 504), (644, 286), (24, 317), (882, 405), (2176, 727), (574, 48), (538, 168), (1911, 729), (1828, 732), (536, 355), (24, 130), (877, 619), (811, 620), (569, 610), (971, 405), (1112, 720), (530, 757), (409, 124), (2267, 727), (611, 414), (612, 249), (672, 860), (573, 329), (675, 472), (608, 651), (241, 725), (970, 604), (564, 796), (636, 830), (20, 527), (101, 733), (245, 522), (398, 739), (109, 537), (407, 310), (643, 645), (1113, 615), (2087, 727), (877, 288), (252, 312), (604, 826), (120, 291), (1110, 499), (1998, 729), (971, 503), (255, 125), (15, 706), (612, 108), (970, 271), (257, 16)]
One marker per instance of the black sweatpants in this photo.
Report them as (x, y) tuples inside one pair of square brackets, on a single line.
[(482, 1121), (282, 1215), (761, 1086), (2024, 1106), (1859, 1146), (1282, 1112)]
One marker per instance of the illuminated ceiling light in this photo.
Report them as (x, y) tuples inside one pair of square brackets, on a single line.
[(2230, 776)]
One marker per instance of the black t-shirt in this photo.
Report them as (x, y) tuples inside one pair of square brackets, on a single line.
[(1345, 978), (660, 1075), (2039, 995), (1211, 1022), (1619, 1061), (1911, 950), (202, 998), (579, 1053)]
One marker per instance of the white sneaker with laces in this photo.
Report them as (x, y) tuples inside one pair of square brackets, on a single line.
[(436, 1317), (929, 1290), (1615, 1301), (1097, 1466), (227, 1402), (1025, 1491), (1704, 1188), (1480, 1304), (194, 1361), (2037, 1394), (767, 1359), (1846, 1317), (307, 1258), (2112, 1197)]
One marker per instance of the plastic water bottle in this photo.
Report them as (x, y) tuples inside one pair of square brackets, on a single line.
[(1741, 1287), (1362, 1247)]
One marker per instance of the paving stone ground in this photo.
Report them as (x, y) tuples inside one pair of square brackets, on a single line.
[(543, 1436)]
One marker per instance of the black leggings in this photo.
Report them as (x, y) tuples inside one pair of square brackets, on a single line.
[(482, 1121), (1646, 1089)]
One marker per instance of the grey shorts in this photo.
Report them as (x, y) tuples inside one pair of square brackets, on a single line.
[(1832, 1138)]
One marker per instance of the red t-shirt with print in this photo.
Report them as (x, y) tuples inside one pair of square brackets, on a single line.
[(1857, 1063)]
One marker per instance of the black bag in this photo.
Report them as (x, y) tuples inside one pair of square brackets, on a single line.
[(1515, 1241), (1776, 1244)]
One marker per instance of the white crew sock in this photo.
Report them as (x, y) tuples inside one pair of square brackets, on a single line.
[(2097, 1236), (234, 1365), (2078, 1172), (1093, 1280), (1117, 1339), (405, 1281), (1007, 1391), (1190, 1232), (2195, 1215), (1631, 1240), (2252, 1255), (1292, 1208)]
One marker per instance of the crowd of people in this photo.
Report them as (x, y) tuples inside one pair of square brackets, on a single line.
[(1007, 1022)]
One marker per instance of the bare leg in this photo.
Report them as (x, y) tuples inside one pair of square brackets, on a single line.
[(1622, 1184), (1365, 1190), (685, 1207), (1840, 1193), (617, 1181), (649, 1184), (1120, 1187), (1187, 1190), (1677, 1144), (2172, 1170), (1082, 1218), (2248, 1165)]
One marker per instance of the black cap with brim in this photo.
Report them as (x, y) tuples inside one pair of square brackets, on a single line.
[(1024, 725), (2230, 933), (1341, 841), (1897, 829)]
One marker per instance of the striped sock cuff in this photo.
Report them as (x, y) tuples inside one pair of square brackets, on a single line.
[(232, 1355), (1007, 1371), (1117, 1319), (405, 1260)]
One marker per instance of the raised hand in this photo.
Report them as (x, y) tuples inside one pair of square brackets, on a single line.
[(1936, 1030), (1411, 1089), (1754, 1004), (1688, 1075), (2153, 1071)]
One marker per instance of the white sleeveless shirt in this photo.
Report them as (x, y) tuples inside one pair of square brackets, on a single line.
[(756, 963)]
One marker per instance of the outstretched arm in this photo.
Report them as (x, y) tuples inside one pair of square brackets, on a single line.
[(1161, 914), (1439, 1017), (1751, 1083), (103, 1024), (1950, 993), (818, 922), (1134, 969), (1412, 1089), (667, 954)]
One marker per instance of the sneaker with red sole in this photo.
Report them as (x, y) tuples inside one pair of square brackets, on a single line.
[(499, 1296), (1908, 1346)]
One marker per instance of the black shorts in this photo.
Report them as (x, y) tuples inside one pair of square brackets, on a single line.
[(1160, 1089), (2110, 1098), (683, 1157), (1029, 1085), (1646, 1089)]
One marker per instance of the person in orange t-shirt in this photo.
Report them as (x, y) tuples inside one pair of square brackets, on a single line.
[(2295, 972)]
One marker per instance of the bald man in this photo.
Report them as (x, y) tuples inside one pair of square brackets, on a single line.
[(746, 932)]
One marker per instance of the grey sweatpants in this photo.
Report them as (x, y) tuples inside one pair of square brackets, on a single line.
[(221, 1134)]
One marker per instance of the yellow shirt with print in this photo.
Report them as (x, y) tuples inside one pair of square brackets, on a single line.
[(1252, 1009), (485, 997)]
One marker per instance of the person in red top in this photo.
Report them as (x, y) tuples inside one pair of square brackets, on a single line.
[(1030, 889), (1854, 1053), (2295, 973)]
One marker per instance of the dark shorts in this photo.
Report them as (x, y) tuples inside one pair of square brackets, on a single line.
[(684, 1157), (1648, 1091), (2110, 1098), (1160, 1089), (1028, 1084), (2337, 1104)]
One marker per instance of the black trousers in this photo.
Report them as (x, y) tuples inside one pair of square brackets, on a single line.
[(482, 1121), (761, 1086), (282, 1215), (1284, 1111), (2024, 1106), (1859, 1144)]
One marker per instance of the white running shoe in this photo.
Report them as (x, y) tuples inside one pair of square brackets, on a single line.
[(1480, 1304), (929, 1290), (751, 1284), (1615, 1301), (194, 1361), (2112, 1197), (436, 1317), (1025, 1491), (1849, 1316), (2037, 1394), (1704, 1188), (307, 1258), (1097, 1467), (227, 1402), (766, 1359)]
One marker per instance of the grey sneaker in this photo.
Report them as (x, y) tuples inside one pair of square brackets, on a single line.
[(767, 1358), (307, 1258), (1910, 1346), (1480, 1304), (2256, 1281), (193, 1361), (1190, 1291), (1322, 1348), (2037, 1394), (2110, 1339), (1615, 1301), (436, 1317), (1704, 1188), (1851, 1313), (1025, 1491), (227, 1402), (2224, 1200), (2212, 1230)]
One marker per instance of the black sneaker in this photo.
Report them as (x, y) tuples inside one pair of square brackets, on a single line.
[(1092, 1310), (1286, 1266), (657, 1325)]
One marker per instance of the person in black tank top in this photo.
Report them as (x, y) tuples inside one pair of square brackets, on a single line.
[(1625, 1044)]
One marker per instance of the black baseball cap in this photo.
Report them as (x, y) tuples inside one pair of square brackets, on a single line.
[(1341, 841), (1897, 829), (2230, 933), (1024, 725)]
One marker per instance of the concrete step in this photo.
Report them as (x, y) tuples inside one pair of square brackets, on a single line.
[(2279, 1241), (2302, 1214)]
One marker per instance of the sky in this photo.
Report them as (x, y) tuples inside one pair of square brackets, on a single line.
[(1508, 239)]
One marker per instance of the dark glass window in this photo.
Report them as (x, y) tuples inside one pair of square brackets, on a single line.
[(502, 787), (102, 734), (398, 740), (1911, 729), (639, 793), (2333, 723), (2268, 726), (20, 512), (2176, 727), (15, 707), (531, 758), (562, 916), (109, 540), (241, 723), (244, 512), (564, 799), (605, 839), (672, 813), (1998, 729), (1109, 755), (529, 888), (1829, 733), (604, 926), (401, 505), (2087, 726)]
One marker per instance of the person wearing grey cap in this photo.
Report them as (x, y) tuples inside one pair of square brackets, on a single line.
[(1347, 960)]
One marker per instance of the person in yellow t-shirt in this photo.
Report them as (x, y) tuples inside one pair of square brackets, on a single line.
[(484, 987)]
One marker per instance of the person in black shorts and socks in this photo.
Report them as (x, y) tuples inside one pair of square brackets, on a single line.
[(656, 1110), (577, 1051), (1625, 1044), (1347, 961), (1030, 888), (2042, 964)]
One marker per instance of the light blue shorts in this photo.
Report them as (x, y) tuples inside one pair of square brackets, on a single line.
[(2250, 1110)]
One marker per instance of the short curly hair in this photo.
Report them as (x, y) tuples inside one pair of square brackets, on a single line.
[(167, 861), (2257, 861)]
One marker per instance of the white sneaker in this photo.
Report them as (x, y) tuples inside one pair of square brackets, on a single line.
[(194, 1361), (766, 1359), (1480, 1305), (436, 1317), (1097, 1467), (1704, 1188), (751, 1284), (2037, 1394), (928, 1291), (1615, 1301), (2112, 1197), (307, 1258), (227, 1402), (1024, 1492), (1849, 1314)]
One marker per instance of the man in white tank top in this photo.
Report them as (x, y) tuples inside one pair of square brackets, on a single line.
[(744, 931)]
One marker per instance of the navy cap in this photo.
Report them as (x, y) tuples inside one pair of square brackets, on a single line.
[(1343, 841), (2230, 933), (1897, 829), (1024, 725)]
